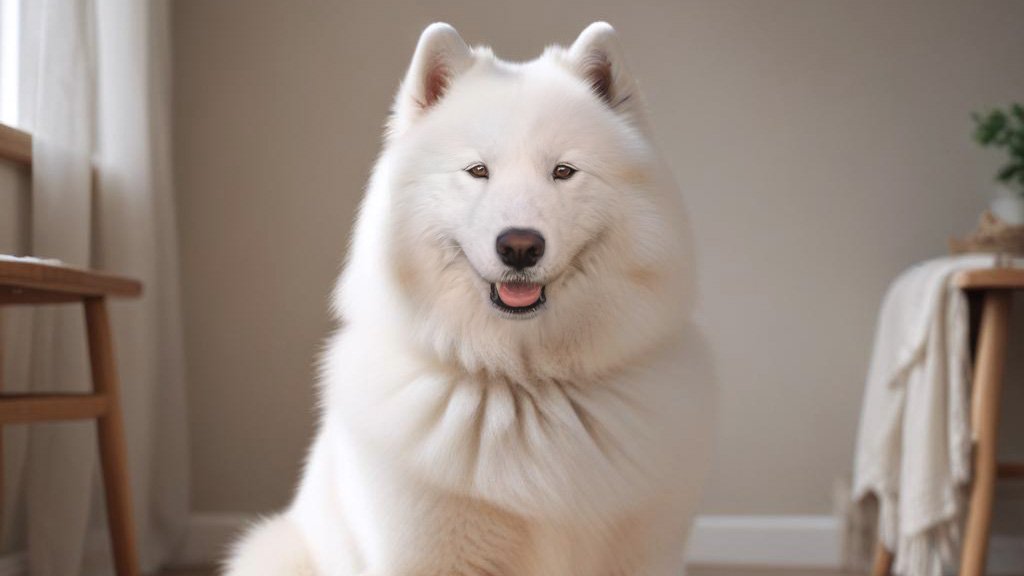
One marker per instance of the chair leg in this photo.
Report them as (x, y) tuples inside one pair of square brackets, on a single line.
[(3, 486), (883, 561), (988, 378), (113, 456)]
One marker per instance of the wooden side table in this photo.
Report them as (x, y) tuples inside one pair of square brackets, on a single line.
[(32, 283), (994, 288)]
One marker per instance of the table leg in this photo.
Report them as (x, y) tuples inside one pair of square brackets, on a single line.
[(988, 378), (883, 561)]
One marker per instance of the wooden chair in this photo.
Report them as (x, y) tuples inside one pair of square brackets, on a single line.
[(994, 288), (33, 283)]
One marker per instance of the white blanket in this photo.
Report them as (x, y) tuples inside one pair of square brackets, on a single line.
[(914, 444)]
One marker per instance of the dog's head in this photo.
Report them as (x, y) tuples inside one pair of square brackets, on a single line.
[(518, 212)]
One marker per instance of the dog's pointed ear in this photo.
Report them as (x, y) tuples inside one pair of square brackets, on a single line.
[(441, 55), (598, 57)]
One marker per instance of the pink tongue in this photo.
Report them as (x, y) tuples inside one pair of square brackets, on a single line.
[(519, 295)]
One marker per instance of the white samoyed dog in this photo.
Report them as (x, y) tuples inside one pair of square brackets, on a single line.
[(517, 388)]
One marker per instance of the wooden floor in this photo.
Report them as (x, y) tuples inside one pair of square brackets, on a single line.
[(695, 571)]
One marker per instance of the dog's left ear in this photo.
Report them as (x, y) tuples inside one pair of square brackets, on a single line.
[(441, 54), (598, 57)]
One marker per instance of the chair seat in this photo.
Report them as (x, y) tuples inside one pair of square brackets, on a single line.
[(33, 281), (991, 279)]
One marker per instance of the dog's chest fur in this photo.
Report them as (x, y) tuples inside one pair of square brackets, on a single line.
[(470, 476)]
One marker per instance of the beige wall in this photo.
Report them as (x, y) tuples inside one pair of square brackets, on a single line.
[(822, 146)]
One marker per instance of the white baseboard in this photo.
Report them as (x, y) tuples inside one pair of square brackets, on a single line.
[(767, 541), (790, 541), (805, 542)]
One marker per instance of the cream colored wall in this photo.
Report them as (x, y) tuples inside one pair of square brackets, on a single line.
[(822, 146)]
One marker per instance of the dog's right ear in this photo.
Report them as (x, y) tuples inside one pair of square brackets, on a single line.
[(441, 55), (599, 59)]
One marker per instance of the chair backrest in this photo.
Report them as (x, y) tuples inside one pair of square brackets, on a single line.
[(15, 189)]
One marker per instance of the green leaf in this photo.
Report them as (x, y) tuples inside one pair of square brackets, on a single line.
[(1018, 111), (999, 128), (1006, 173)]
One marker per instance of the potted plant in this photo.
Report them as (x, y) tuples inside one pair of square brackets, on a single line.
[(1005, 129)]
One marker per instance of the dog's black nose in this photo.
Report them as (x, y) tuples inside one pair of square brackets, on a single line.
[(520, 247)]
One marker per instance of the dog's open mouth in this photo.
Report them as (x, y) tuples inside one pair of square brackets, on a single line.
[(517, 297)]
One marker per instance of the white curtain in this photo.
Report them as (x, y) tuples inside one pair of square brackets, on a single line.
[(95, 88)]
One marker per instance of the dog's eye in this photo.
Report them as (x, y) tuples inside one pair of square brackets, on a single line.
[(478, 170), (563, 172)]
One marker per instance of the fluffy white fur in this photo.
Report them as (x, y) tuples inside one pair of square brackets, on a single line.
[(456, 439)]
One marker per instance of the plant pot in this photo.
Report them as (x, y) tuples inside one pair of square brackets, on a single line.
[(1008, 205)]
